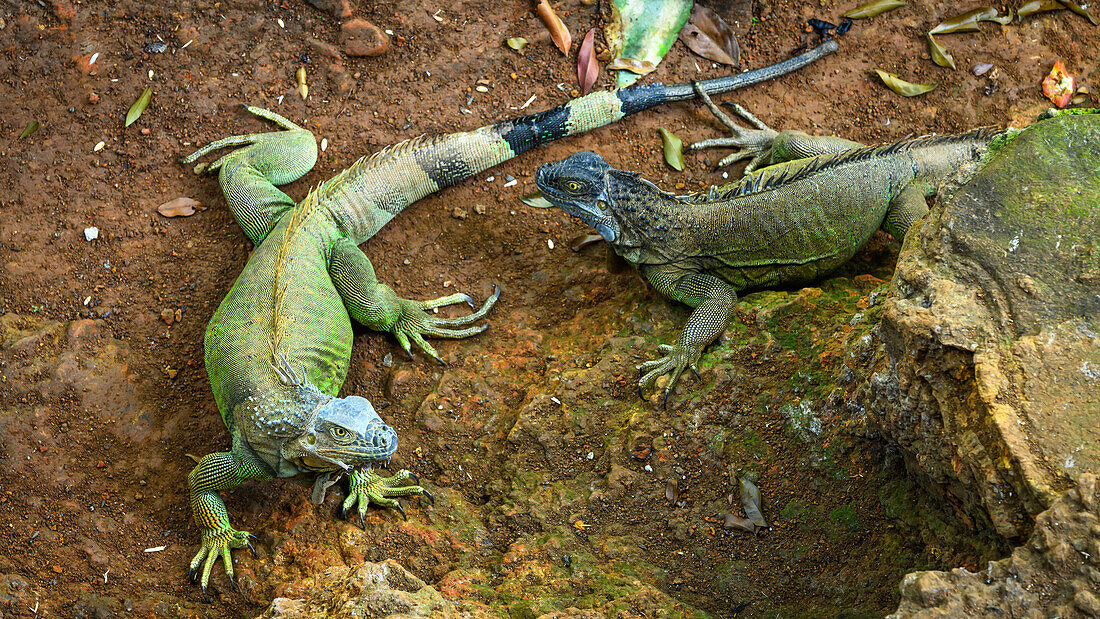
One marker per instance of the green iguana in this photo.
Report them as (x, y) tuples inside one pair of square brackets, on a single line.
[(279, 345), (799, 218)]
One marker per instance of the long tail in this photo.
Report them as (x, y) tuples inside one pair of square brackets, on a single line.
[(373, 190)]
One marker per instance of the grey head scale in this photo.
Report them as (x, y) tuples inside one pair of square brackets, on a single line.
[(609, 200), (342, 434)]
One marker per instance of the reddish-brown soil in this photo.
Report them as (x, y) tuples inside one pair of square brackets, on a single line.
[(96, 417)]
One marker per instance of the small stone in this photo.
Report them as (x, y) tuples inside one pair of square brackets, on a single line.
[(145, 131), (459, 213), (340, 9), (479, 209), (981, 69), (359, 37), (93, 98), (156, 47), (91, 234), (482, 89), (168, 316), (171, 373), (388, 360)]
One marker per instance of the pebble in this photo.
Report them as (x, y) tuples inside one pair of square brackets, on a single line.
[(91, 234), (359, 37), (981, 69), (482, 89)]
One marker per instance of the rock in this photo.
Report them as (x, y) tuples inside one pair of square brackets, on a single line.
[(359, 37), (340, 9), (988, 386), (372, 590), (1031, 582)]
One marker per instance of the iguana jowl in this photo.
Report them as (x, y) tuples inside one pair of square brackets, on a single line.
[(279, 345), (791, 222)]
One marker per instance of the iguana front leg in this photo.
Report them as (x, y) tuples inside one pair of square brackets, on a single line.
[(377, 306), (219, 471), (366, 487), (764, 145), (713, 300)]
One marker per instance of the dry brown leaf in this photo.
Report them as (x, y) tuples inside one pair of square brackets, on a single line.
[(558, 32), (180, 207), (588, 70), (640, 67), (708, 35)]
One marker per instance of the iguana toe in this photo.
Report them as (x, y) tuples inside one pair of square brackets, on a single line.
[(217, 544), (368, 487)]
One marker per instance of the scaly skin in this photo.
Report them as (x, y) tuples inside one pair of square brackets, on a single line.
[(279, 345), (792, 222)]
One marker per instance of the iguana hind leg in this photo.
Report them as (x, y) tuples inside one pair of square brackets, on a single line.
[(905, 210), (765, 145), (249, 175), (377, 306)]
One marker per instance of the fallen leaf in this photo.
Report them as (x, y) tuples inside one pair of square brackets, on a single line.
[(31, 127), (710, 36), (637, 67), (588, 71), (739, 523), (300, 77), (968, 21), (1038, 6), (580, 242), (1059, 86), (940, 55), (643, 30), (180, 207), (1080, 10), (902, 87), (750, 502), (558, 32), (516, 43), (674, 149), (672, 491), (139, 106), (536, 200), (873, 8)]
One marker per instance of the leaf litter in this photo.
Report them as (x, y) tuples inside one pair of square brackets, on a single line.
[(708, 35)]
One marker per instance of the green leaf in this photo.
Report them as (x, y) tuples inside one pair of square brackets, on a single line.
[(516, 43), (875, 7), (674, 149), (536, 200), (902, 87), (940, 55), (139, 106), (1080, 10), (968, 21), (29, 129), (1038, 6), (644, 30)]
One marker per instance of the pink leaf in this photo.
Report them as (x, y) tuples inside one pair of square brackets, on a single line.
[(587, 69)]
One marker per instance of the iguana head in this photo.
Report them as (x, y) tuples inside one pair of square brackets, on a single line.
[(344, 433), (579, 186), (619, 205)]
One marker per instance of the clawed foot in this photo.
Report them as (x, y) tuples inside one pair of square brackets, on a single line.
[(369, 487), (676, 359), (416, 321), (754, 143), (218, 543)]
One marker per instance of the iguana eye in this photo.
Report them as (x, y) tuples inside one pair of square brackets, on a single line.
[(573, 186), (339, 432)]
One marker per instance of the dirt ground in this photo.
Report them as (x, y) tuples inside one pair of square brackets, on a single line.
[(100, 405)]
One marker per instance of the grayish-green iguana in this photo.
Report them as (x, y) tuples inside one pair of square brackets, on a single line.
[(279, 345), (799, 218)]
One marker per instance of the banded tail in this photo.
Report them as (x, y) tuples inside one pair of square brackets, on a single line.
[(373, 190)]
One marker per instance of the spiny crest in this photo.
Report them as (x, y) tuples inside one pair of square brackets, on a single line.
[(298, 217), (799, 169)]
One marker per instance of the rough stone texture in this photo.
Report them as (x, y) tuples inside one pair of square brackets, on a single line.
[(1054, 574), (340, 9), (359, 37), (371, 590), (990, 377)]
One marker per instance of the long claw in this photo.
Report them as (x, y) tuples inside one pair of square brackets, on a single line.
[(205, 598), (233, 584), (414, 478), (362, 521), (427, 495), (402, 510)]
